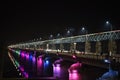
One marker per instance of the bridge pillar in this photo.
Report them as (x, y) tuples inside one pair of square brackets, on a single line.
[(71, 47), (61, 46), (35, 47), (112, 48), (47, 46), (87, 47), (75, 46), (53, 46), (98, 47)]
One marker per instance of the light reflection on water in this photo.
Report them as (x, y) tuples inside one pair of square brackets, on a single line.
[(39, 66), (56, 71), (75, 76), (59, 73), (32, 67), (43, 67)]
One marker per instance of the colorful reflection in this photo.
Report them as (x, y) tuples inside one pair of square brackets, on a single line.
[(34, 59), (56, 70), (25, 74), (27, 56), (18, 66), (46, 64), (39, 66), (48, 68), (22, 54), (74, 56), (15, 51), (75, 76), (58, 62), (31, 57), (75, 67), (21, 68)]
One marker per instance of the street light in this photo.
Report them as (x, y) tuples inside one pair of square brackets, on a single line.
[(51, 36), (83, 28), (111, 28), (109, 64), (110, 52), (40, 38), (58, 35), (68, 33), (109, 24), (85, 31)]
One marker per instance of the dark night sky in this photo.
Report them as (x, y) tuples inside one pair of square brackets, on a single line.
[(23, 21)]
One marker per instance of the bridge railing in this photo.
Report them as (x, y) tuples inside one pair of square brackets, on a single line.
[(81, 38), (116, 57)]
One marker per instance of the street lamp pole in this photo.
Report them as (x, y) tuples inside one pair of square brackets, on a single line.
[(68, 34), (110, 52), (84, 30), (111, 28), (108, 23)]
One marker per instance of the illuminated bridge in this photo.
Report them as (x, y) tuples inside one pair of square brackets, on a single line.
[(85, 43), (94, 46)]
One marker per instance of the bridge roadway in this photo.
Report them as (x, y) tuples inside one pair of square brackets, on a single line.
[(90, 59)]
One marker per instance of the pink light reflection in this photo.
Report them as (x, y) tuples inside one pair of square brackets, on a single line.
[(74, 71), (26, 75), (74, 56), (34, 59), (39, 61), (56, 70), (22, 54), (75, 76), (21, 68), (39, 66), (27, 56), (75, 67)]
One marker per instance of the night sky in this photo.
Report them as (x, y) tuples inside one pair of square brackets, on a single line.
[(24, 21)]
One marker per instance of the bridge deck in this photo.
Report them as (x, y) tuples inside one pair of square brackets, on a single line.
[(91, 59)]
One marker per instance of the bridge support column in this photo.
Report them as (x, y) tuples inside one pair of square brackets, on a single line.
[(112, 48), (98, 47), (35, 47), (87, 47), (53, 47), (47, 46), (71, 47), (75, 46), (61, 46)]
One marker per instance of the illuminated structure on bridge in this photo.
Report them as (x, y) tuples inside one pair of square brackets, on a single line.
[(72, 42)]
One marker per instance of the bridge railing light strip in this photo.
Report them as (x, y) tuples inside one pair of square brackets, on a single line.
[(80, 38)]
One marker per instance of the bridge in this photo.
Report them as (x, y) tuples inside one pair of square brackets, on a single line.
[(89, 48)]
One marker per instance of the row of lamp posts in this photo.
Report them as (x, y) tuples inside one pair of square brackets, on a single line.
[(84, 31)]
